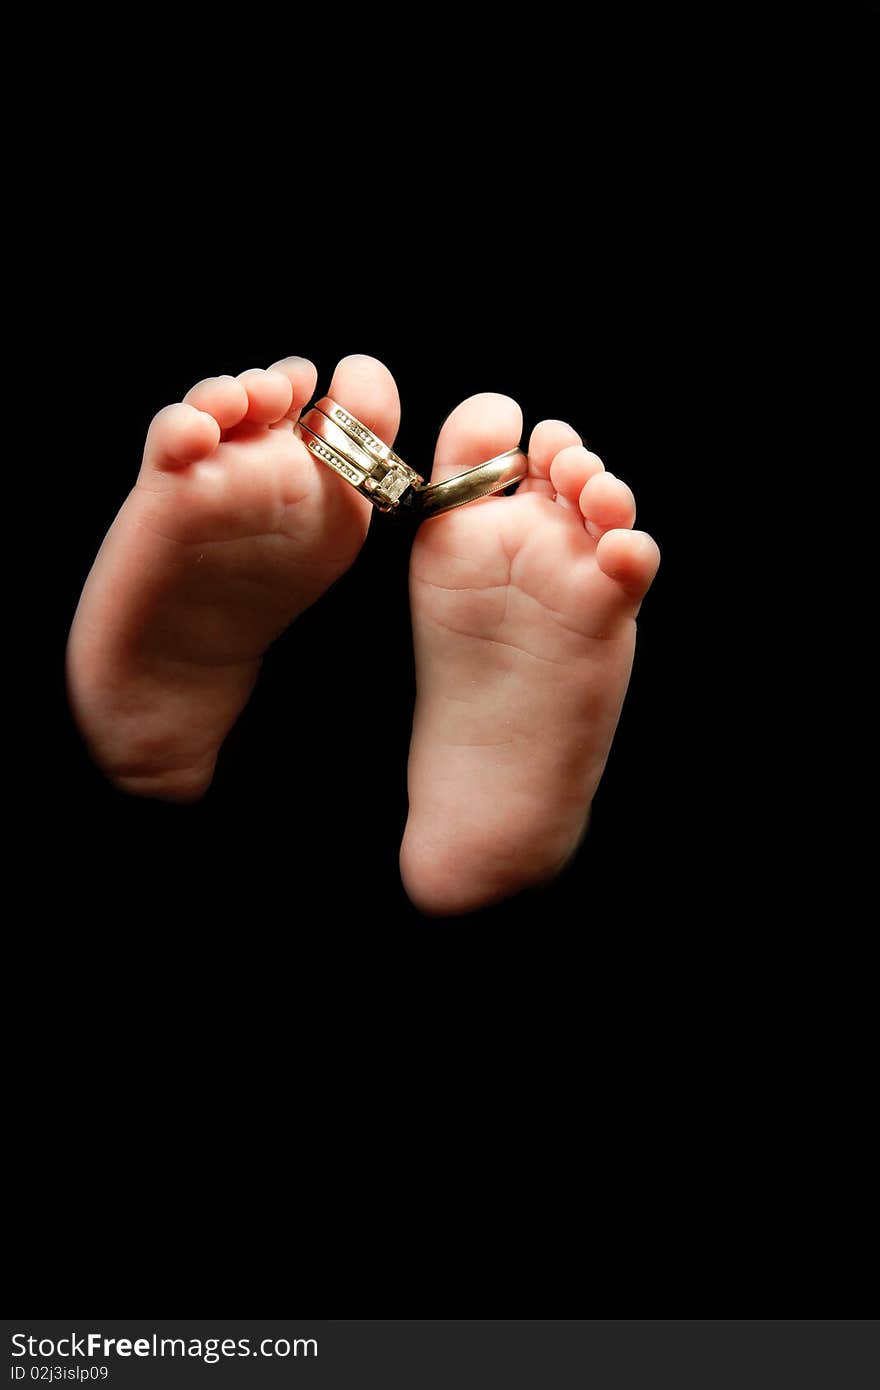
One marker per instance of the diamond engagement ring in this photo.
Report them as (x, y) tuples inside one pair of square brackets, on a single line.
[(336, 437)]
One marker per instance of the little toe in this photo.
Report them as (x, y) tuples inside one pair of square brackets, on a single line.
[(478, 429), (221, 396), (607, 504), (179, 435), (570, 469), (631, 559), (302, 375), (546, 441), (269, 395), (365, 386)]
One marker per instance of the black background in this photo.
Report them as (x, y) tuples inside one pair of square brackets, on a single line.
[(251, 962), (232, 1029)]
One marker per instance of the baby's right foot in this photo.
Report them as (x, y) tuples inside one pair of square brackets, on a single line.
[(524, 614), (231, 530)]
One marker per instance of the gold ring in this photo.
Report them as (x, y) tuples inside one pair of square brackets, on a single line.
[(336, 437), (493, 476), (369, 442), (383, 481)]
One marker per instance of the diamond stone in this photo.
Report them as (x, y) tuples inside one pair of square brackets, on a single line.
[(394, 484)]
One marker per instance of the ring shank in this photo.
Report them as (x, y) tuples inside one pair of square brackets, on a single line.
[(358, 456), (336, 437), (492, 476)]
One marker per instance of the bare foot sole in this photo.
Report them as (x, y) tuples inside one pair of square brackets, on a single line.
[(231, 530), (523, 614)]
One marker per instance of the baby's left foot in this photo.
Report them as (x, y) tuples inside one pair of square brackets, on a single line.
[(232, 529), (524, 623)]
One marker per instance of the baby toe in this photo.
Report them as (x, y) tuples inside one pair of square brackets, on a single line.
[(179, 435), (479, 429), (269, 395), (631, 559), (365, 386), (545, 442), (302, 375), (221, 396), (570, 470), (606, 503)]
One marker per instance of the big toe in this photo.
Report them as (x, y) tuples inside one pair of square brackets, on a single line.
[(365, 386), (480, 428)]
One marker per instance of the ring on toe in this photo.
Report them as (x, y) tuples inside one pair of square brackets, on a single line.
[(336, 437)]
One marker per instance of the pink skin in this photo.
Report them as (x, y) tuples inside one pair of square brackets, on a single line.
[(231, 530), (523, 610), (524, 614)]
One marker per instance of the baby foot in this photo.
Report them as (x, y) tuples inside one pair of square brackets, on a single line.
[(524, 624), (230, 531)]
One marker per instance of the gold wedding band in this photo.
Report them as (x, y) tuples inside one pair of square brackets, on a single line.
[(493, 476), (383, 480), (336, 437), (369, 442)]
